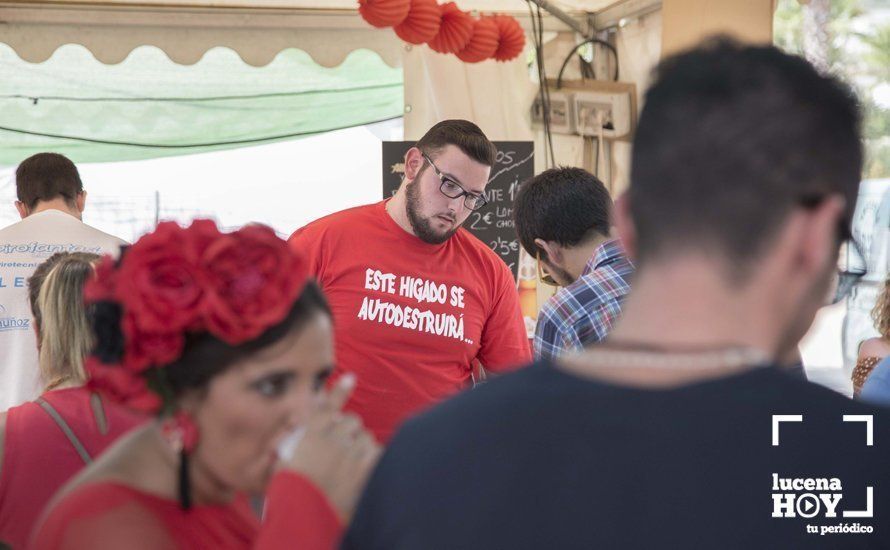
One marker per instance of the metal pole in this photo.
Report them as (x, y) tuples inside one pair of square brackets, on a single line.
[(564, 17)]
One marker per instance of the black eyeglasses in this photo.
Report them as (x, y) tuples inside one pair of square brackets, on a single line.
[(545, 278), (851, 261), (851, 269), (453, 190)]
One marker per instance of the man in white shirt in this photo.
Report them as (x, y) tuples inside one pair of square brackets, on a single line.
[(50, 201)]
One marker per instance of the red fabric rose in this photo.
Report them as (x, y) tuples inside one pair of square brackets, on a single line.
[(122, 386), (255, 279), (200, 235), (176, 281), (143, 349), (159, 281)]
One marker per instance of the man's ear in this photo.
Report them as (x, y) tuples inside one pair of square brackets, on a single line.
[(552, 252), (23, 210), (81, 201), (414, 162), (624, 226)]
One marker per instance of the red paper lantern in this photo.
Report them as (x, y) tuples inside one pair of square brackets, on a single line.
[(484, 42), (384, 13), (512, 37), (422, 23), (455, 31)]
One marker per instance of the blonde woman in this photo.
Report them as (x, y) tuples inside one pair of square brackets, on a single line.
[(871, 351), (71, 423), (60, 321)]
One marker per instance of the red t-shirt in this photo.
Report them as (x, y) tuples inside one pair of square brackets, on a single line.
[(411, 317)]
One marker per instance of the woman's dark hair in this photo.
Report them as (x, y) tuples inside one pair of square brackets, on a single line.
[(204, 356)]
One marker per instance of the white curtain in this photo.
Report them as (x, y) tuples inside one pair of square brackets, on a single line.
[(496, 96), (639, 50)]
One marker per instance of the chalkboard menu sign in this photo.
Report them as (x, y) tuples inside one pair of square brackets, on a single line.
[(493, 224)]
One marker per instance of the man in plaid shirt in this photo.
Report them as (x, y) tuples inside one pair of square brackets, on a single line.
[(562, 218)]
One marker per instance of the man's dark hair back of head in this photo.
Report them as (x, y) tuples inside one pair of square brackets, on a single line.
[(47, 176), (732, 138), (564, 205), (464, 135)]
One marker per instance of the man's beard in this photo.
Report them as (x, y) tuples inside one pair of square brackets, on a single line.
[(422, 227), (558, 274)]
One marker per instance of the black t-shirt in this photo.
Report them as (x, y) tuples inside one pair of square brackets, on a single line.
[(543, 459)]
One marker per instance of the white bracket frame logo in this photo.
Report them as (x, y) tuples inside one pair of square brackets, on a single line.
[(868, 419)]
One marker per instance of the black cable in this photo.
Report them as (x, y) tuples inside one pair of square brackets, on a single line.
[(545, 115), (35, 99), (538, 37), (546, 85), (596, 166), (189, 145), (575, 49)]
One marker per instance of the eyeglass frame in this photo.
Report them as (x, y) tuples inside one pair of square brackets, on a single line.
[(846, 279), (545, 278), (463, 192)]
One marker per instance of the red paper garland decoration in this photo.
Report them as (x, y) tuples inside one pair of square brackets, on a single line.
[(484, 42), (455, 31), (384, 13), (422, 23), (512, 37)]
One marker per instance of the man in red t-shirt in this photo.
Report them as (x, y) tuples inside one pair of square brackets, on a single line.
[(416, 299)]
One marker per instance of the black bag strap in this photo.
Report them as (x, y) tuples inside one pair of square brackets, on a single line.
[(66, 429)]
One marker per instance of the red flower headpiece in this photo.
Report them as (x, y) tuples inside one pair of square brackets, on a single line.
[(178, 281)]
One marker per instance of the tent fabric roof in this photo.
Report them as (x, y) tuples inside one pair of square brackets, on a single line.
[(185, 33), (328, 30), (481, 5), (148, 106)]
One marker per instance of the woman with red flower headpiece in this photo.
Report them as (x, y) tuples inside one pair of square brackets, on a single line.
[(225, 338), (44, 443)]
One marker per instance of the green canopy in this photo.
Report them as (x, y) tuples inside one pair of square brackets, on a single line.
[(147, 106)]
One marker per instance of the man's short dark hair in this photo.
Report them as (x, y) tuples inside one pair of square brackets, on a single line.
[(464, 135), (568, 206), (731, 138), (47, 176)]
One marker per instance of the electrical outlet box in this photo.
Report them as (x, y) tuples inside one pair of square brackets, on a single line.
[(601, 107), (562, 112), (599, 113)]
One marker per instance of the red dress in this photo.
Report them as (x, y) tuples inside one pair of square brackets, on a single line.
[(38, 458), (110, 515)]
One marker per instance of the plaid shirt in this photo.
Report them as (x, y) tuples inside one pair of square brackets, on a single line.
[(583, 312)]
